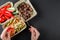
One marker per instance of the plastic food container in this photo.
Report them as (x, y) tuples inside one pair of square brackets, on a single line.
[(17, 23), (8, 22), (10, 10), (3, 6), (34, 13)]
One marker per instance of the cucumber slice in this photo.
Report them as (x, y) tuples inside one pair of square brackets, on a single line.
[(11, 9), (15, 13)]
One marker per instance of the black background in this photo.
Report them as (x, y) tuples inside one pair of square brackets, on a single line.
[(47, 20)]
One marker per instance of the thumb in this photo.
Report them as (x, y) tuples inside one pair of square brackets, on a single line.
[(9, 35)]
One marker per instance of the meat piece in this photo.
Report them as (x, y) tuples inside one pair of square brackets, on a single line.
[(25, 10)]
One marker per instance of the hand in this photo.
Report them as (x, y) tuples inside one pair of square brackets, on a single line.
[(34, 33), (5, 35)]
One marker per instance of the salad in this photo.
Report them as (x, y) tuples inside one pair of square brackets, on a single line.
[(16, 24)]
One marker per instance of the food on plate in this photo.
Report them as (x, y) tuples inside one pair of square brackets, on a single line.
[(26, 10), (16, 24)]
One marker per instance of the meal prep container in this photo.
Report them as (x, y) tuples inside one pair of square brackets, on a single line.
[(3, 6), (15, 24), (4, 23), (28, 2), (15, 6)]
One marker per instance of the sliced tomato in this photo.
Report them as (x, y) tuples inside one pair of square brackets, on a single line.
[(11, 31)]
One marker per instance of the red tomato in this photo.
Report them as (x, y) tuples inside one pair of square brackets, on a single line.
[(11, 31), (10, 28)]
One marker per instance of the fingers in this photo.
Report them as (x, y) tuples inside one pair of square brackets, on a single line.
[(37, 34), (34, 33), (8, 36), (4, 33)]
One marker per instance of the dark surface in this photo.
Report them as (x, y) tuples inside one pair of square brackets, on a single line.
[(47, 20)]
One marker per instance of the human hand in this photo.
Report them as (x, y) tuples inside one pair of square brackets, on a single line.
[(5, 35), (34, 33)]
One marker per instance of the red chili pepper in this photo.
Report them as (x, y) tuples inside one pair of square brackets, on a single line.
[(3, 8), (9, 5), (4, 13), (7, 17), (1, 15), (2, 19), (10, 13)]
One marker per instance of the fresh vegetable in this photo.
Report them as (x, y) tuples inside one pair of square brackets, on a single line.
[(2, 19), (11, 30), (6, 14), (16, 24), (12, 9), (6, 6)]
